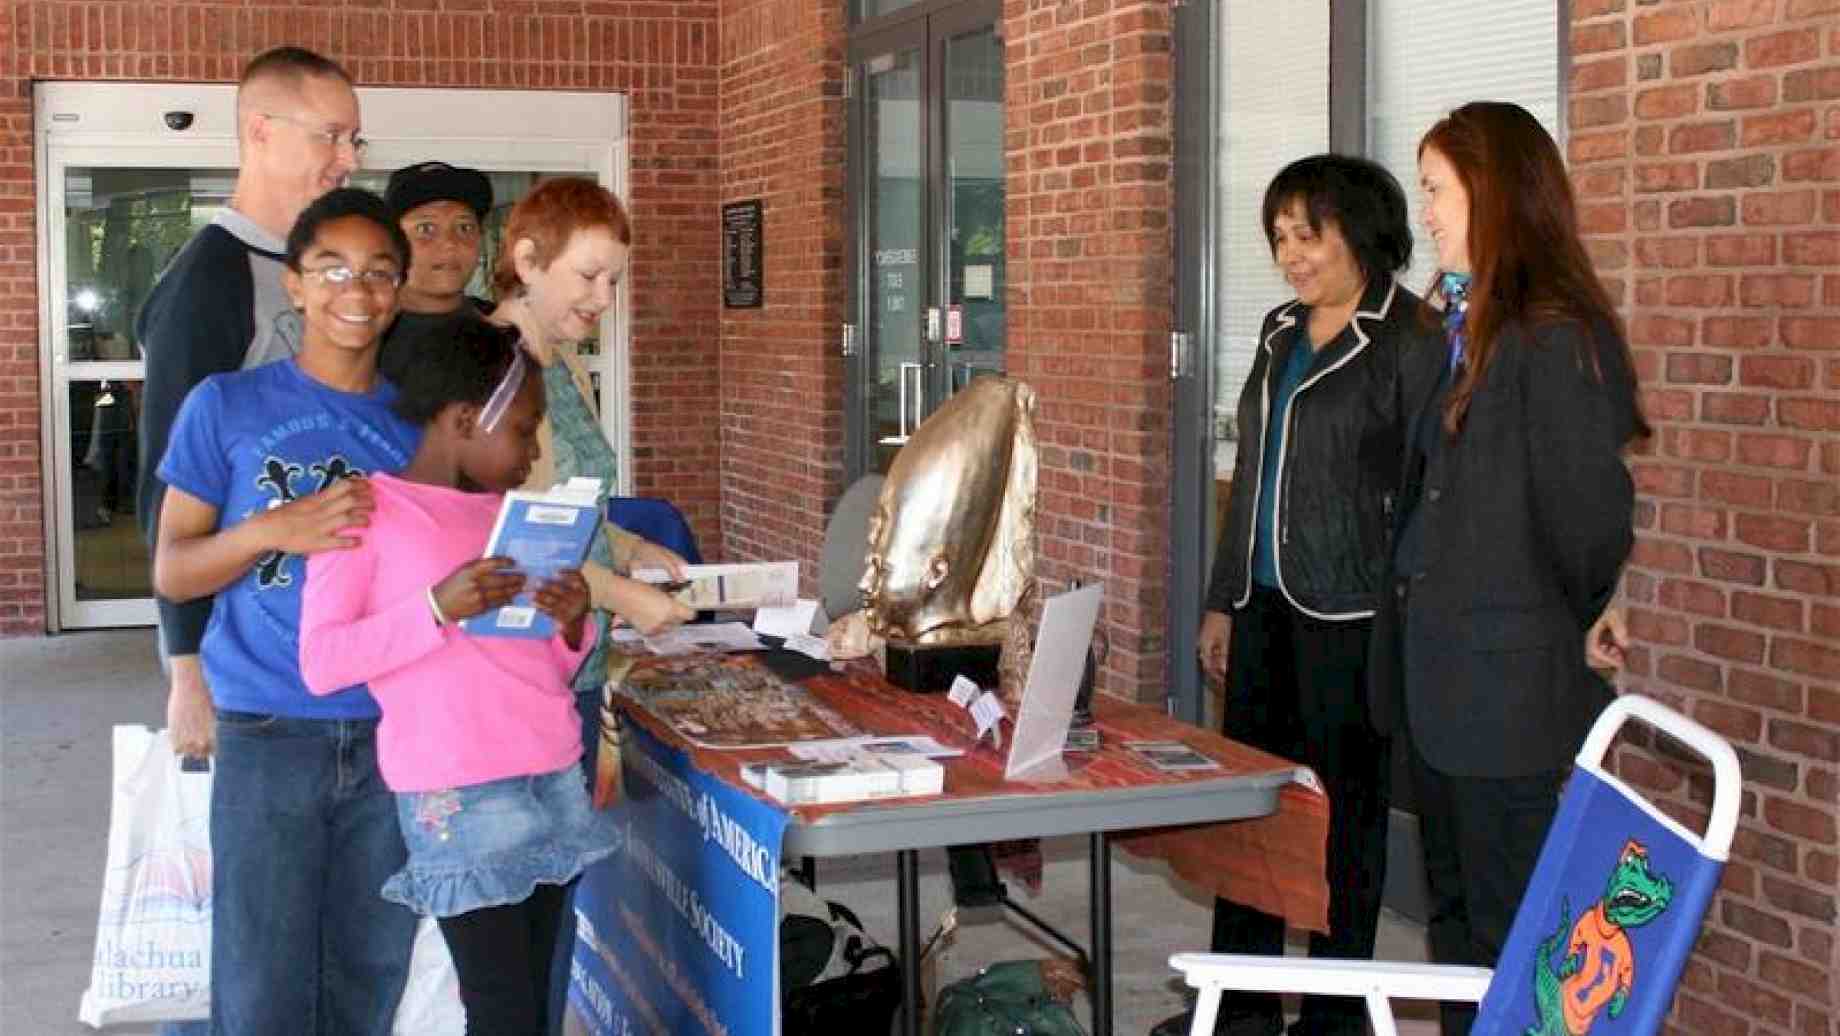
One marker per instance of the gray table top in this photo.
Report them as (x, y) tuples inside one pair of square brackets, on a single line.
[(895, 824)]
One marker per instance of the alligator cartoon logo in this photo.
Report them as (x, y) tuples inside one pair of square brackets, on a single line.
[(1599, 967)]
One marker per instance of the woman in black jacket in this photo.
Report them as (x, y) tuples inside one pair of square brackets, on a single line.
[(1515, 522), (1302, 557)]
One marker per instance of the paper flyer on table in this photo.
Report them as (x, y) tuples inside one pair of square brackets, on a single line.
[(881, 744), (804, 617), (717, 587)]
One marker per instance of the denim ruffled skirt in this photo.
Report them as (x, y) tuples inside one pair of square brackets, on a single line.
[(492, 844)]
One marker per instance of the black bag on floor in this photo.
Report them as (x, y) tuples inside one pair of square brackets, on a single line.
[(833, 976)]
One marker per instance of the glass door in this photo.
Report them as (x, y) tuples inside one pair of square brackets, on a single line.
[(120, 198), (121, 225), (927, 206), (897, 291), (974, 199)]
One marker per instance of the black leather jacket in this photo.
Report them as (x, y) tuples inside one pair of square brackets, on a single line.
[(1340, 461)]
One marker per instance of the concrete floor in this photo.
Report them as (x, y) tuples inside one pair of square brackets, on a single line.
[(59, 697)]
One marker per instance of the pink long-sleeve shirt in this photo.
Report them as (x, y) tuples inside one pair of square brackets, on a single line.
[(457, 709)]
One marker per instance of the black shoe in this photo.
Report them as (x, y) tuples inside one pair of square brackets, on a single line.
[(1243, 1025)]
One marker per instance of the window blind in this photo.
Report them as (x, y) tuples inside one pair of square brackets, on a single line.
[(1425, 57), (1274, 109)]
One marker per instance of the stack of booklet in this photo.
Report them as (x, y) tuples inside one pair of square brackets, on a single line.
[(857, 776)]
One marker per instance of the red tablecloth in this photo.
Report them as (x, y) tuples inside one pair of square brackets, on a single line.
[(1274, 863)]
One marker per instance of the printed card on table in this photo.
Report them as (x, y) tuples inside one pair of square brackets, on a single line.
[(1171, 756)]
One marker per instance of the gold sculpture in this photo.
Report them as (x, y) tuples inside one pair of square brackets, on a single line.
[(952, 537)]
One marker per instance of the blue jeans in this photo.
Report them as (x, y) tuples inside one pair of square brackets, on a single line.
[(303, 835)]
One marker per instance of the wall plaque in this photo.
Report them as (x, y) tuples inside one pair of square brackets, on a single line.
[(743, 279)]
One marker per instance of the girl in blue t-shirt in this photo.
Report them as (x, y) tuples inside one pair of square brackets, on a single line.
[(266, 466)]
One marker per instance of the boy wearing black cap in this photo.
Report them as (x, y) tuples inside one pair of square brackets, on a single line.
[(442, 208)]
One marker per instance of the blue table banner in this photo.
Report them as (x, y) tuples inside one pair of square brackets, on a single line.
[(678, 933)]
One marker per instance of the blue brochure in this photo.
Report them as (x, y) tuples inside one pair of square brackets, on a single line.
[(544, 533)]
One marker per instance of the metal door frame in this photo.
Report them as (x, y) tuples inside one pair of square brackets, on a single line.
[(108, 124)]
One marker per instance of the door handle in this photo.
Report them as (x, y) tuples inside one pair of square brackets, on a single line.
[(919, 397)]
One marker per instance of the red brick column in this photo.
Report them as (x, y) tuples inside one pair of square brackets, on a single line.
[(1089, 129), (662, 56), (22, 524), (781, 75), (1705, 147)]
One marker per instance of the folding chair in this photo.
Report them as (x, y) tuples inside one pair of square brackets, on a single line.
[(1609, 919)]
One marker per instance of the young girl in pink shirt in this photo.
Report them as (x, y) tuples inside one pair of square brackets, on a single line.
[(479, 739)]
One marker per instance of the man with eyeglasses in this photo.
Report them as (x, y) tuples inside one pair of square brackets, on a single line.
[(218, 307)]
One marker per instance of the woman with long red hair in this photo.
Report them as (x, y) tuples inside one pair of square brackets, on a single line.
[(1514, 523)]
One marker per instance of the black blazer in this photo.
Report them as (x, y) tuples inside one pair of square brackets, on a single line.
[(1529, 512), (1339, 472)]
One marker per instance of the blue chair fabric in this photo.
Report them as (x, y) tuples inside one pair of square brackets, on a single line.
[(657, 520), (1608, 921)]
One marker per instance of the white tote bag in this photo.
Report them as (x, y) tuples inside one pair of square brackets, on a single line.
[(153, 933), (431, 1001)]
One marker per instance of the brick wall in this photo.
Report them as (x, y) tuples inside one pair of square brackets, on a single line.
[(1089, 128), (781, 74), (1705, 146), (662, 55), (22, 528)]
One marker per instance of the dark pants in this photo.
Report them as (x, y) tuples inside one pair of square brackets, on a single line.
[(588, 705), (502, 955), (1296, 687), (1482, 837)]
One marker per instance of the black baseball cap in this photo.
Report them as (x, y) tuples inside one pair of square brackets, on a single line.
[(423, 182)]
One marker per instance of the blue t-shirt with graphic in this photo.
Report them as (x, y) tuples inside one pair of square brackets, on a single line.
[(256, 439)]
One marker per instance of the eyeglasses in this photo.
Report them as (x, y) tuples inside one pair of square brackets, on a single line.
[(332, 137), (340, 276)]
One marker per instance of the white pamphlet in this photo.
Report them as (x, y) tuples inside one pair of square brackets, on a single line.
[(987, 710), (963, 690), (710, 587), (884, 745), (709, 636), (809, 646), (803, 617)]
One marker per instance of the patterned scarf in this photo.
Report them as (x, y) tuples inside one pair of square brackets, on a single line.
[(1455, 289)]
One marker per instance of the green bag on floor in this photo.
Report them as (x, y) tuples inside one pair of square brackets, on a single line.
[(1008, 998)]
